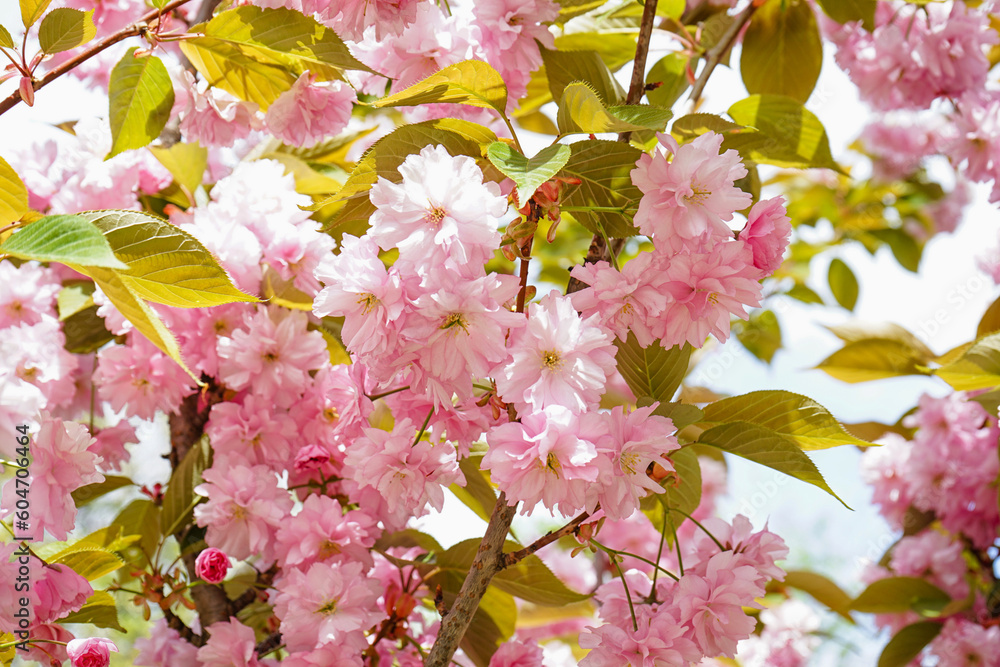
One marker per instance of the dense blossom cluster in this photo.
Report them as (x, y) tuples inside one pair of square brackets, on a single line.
[(938, 488)]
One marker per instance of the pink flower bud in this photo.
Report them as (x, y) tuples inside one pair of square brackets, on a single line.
[(91, 652), (27, 90), (212, 565)]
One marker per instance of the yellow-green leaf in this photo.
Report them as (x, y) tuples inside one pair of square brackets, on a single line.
[(822, 589), (604, 170), (141, 517), (179, 499), (788, 134), (89, 560), (13, 194), (470, 82), (907, 644), (874, 359), (782, 50), (63, 29), (136, 311), (563, 67), (186, 162), (652, 370), (669, 74), (99, 610), (682, 493), (894, 595), (528, 173), (843, 284), (477, 494), (6, 40), (990, 321), (977, 368), (32, 10), (165, 264), (90, 492), (581, 110), (760, 335), (797, 418), (68, 239), (843, 11), (768, 448), (140, 96), (257, 53)]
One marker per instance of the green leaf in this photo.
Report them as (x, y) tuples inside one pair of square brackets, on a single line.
[(13, 194), (843, 11), (90, 492), (768, 448), (652, 371), (68, 239), (694, 125), (140, 95), (796, 418), (140, 517), (990, 321), (682, 493), (470, 82), (257, 53), (907, 644), (492, 624), (64, 29), (179, 499), (6, 40), (804, 294), (681, 414), (89, 560), (874, 359), (977, 368), (408, 538), (165, 264), (822, 589), (788, 134), (563, 67), (135, 310), (670, 72), (582, 110), (895, 595), (782, 50), (904, 247), (99, 610), (528, 173), (477, 494), (760, 335), (32, 10), (604, 169), (571, 8), (186, 162), (843, 284)]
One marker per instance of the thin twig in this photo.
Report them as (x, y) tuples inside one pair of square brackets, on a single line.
[(714, 55), (131, 30), (515, 557), (637, 86)]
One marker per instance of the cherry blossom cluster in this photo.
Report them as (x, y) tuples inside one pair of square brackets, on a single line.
[(939, 488)]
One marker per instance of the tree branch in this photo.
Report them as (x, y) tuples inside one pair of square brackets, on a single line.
[(131, 30), (488, 562), (515, 557), (715, 54)]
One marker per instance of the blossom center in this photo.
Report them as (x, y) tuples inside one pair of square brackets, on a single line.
[(330, 414), (328, 608), (456, 320), (551, 359), (697, 196), (629, 462), (435, 215), (370, 301)]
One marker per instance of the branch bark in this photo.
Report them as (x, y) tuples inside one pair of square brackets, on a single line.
[(132, 30), (715, 54), (488, 562), (515, 557)]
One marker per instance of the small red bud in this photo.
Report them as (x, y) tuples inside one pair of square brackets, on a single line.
[(27, 90)]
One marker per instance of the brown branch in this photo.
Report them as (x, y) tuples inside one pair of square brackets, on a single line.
[(488, 562), (637, 87), (268, 644), (132, 30), (515, 557), (714, 55), (182, 629)]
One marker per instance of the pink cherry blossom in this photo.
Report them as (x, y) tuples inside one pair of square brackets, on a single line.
[(212, 565), (230, 644), (546, 458), (513, 653), (659, 640), (213, 117), (61, 463), (962, 642), (164, 648), (686, 201), (760, 549), (91, 652), (58, 591), (244, 509), (933, 556), (511, 31), (27, 294), (251, 432), (324, 531), (974, 140), (326, 604), (350, 18), (711, 599), (766, 233), (138, 375), (704, 289), (626, 300), (559, 358), (441, 214), (310, 111), (408, 475), (634, 440), (272, 354), (110, 444)]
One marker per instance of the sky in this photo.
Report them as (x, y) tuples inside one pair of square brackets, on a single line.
[(942, 305)]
